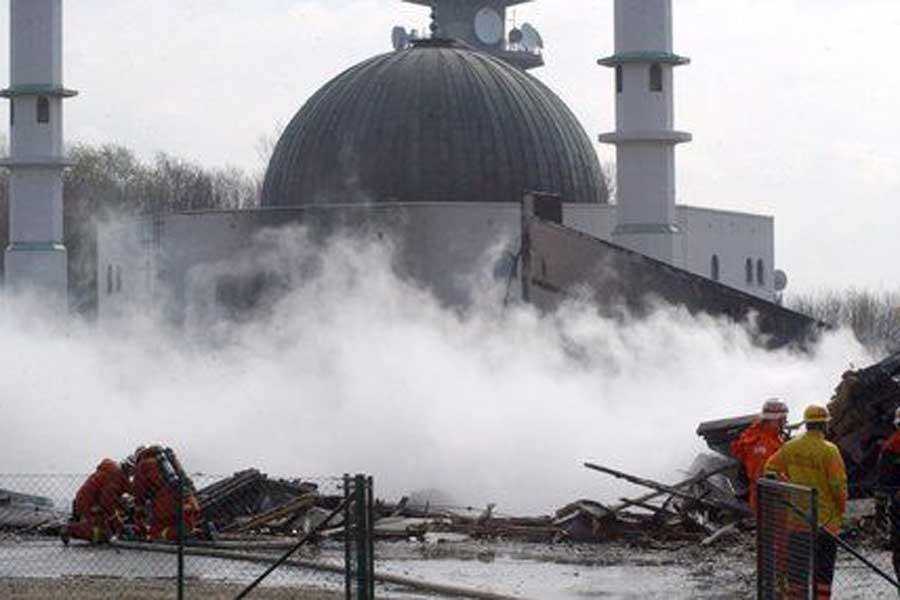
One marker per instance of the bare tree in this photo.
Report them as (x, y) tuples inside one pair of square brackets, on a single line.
[(608, 169), (873, 317)]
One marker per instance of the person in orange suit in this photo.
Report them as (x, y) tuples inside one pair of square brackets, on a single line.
[(889, 487), (156, 492), (99, 507), (760, 441)]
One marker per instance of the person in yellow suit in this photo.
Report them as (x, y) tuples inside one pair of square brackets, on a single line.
[(812, 461)]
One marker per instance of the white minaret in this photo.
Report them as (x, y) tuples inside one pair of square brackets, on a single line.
[(644, 137), (36, 257)]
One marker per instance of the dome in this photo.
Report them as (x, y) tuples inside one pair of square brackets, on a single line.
[(438, 122)]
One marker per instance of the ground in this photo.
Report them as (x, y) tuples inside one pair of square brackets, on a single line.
[(88, 588), (637, 569)]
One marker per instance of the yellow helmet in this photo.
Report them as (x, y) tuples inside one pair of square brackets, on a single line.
[(815, 413)]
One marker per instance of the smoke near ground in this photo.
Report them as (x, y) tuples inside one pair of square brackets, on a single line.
[(359, 370)]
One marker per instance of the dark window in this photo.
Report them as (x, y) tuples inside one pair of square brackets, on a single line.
[(748, 270), (118, 278), (760, 272), (619, 79), (714, 267), (109, 280), (43, 109), (656, 78)]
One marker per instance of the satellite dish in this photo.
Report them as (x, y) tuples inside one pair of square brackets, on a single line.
[(531, 39), (489, 26), (515, 36), (781, 280), (399, 38)]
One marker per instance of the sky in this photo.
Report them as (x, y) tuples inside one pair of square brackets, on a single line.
[(791, 102)]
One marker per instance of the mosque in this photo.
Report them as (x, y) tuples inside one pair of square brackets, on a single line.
[(434, 144)]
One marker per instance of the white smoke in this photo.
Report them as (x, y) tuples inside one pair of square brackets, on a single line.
[(359, 370)]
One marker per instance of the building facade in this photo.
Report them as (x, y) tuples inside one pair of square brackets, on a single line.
[(433, 146)]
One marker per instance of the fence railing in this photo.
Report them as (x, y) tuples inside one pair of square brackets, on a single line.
[(307, 555)]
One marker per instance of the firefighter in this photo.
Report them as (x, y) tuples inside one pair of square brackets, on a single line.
[(889, 486), (99, 507), (812, 461), (156, 494), (760, 441)]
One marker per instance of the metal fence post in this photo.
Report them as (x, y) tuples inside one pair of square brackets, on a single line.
[(370, 536), (179, 516), (814, 541), (362, 562), (348, 541)]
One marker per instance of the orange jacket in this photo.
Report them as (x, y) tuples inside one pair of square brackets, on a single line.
[(103, 490), (153, 486), (753, 448)]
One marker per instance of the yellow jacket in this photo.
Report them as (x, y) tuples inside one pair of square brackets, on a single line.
[(812, 461)]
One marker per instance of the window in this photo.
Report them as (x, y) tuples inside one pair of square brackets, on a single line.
[(760, 272), (118, 278), (109, 280), (43, 109), (619, 79), (714, 267), (748, 268), (656, 78)]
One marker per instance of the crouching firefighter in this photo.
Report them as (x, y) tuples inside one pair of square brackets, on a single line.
[(98, 512), (159, 481)]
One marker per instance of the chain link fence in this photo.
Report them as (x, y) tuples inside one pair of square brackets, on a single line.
[(247, 524), (792, 548), (786, 540), (870, 534)]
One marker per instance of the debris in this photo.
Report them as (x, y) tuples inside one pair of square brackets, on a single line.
[(231, 503), (719, 533), (740, 509), (25, 511)]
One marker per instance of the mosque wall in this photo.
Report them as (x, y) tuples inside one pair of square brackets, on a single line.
[(176, 262), (730, 239)]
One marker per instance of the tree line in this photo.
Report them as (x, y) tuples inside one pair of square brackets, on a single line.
[(874, 317), (109, 181)]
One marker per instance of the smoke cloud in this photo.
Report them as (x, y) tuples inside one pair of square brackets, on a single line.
[(356, 369)]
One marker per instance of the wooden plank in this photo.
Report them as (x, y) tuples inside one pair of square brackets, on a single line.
[(697, 478), (668, 489), (286, 509)]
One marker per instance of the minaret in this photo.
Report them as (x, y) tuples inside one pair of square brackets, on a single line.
[(36, 256), (482, 25), (644, 137)]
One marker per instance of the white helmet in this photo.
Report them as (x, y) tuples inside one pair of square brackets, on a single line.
[(774, 410)]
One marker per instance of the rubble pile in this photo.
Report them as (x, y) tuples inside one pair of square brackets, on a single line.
[(862, 417), (251, 502), (695, 509), (25, 511)]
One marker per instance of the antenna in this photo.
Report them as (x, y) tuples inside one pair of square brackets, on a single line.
[(531, 39), (400, 38)]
